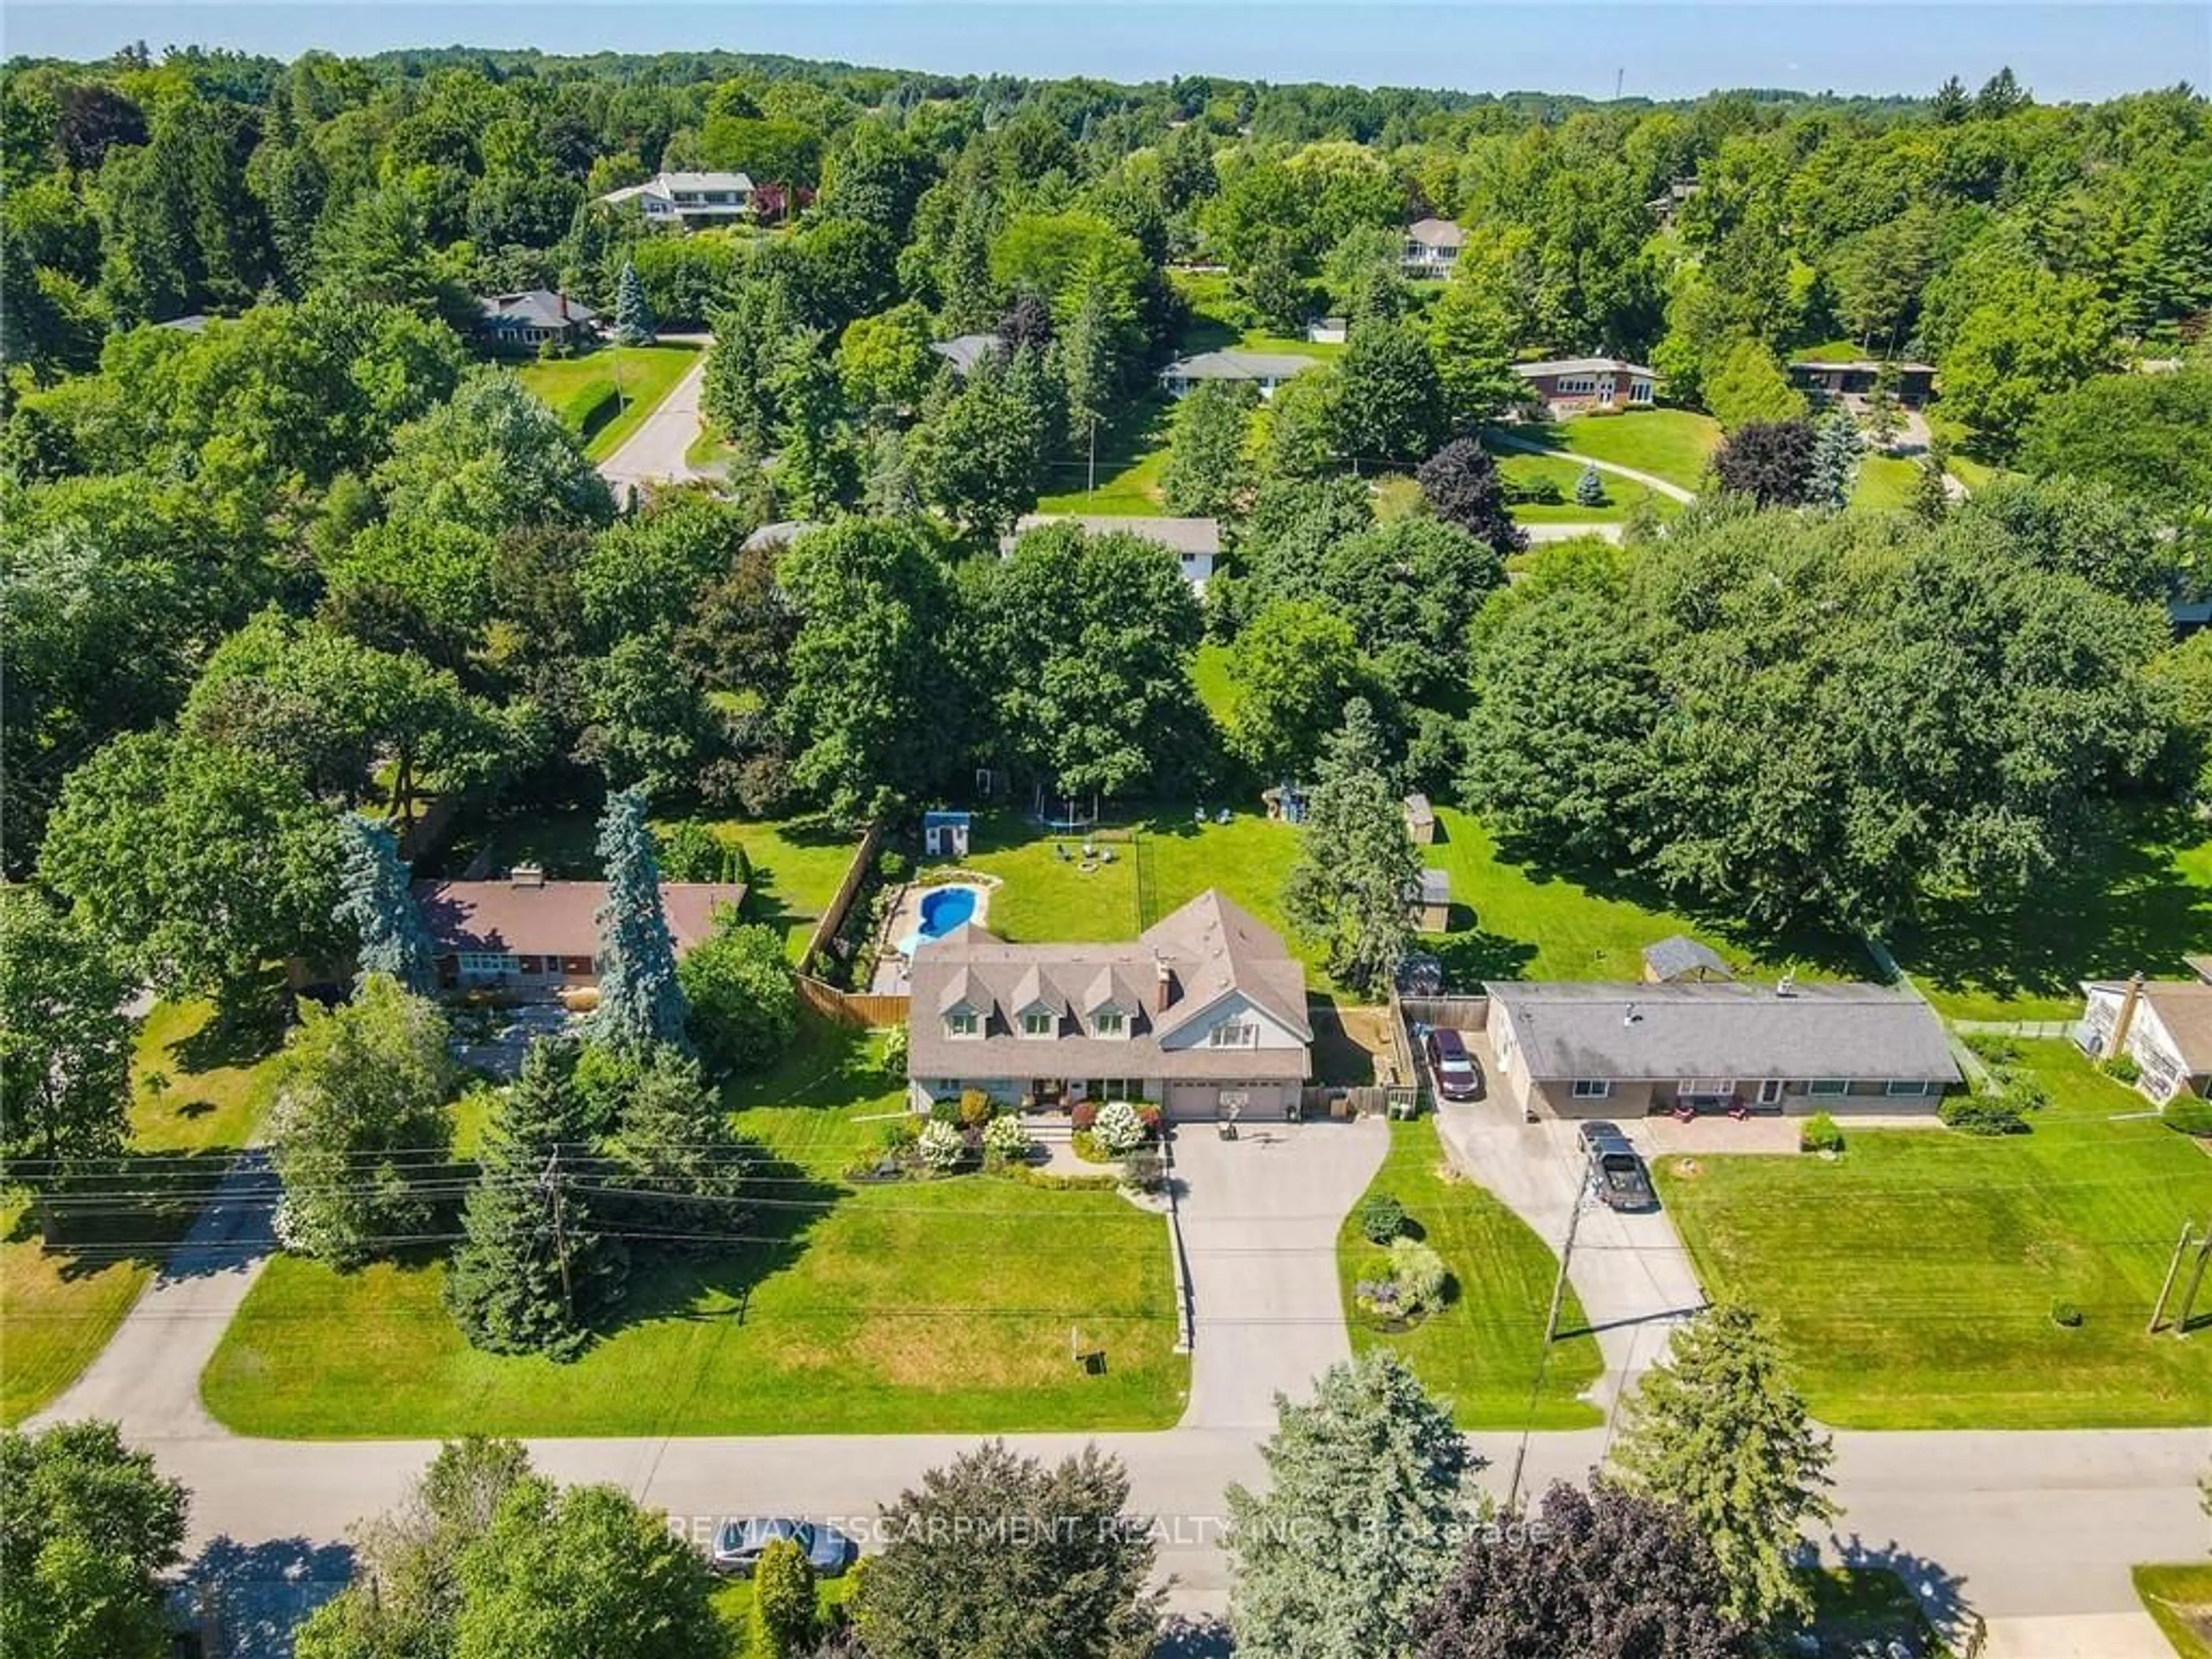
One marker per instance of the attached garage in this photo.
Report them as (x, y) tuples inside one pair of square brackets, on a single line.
[(1205, 1102)]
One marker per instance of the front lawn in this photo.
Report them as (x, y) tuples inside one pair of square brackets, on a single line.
[(2139, 896), (1674, 444), (57, 1311), (1482, 1350), (946, 1305), (1622, 495), (2179, 1602), (1885, 483), (1914, 1278), (604, 395)]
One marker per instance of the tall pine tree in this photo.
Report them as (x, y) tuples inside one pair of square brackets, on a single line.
[(1356, 869), (635, 323), (532, 1272), (374, 899), (640, 1003), (1837, 447)]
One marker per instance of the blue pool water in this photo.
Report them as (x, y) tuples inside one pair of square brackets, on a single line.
[(944, 909)]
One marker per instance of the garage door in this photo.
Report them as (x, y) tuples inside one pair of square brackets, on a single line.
[(1205, 1102)]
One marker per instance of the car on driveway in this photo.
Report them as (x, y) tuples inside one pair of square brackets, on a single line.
[(739, 1543), (1458, 1077), (1615, 1169)]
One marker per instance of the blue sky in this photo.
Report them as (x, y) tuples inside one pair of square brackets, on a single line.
[(1665, 48)]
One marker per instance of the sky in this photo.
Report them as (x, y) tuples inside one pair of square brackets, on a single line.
[(1658, 48)]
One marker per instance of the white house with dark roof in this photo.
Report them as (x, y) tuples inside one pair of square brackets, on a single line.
[(2164, 1025), (1619, 1050), (1204, 1011), (1433, 247), (964, 351), (689, 199), (1264, 369), (1196, 542)]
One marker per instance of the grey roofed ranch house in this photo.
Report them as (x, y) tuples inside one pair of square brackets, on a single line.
[(1433, 247), (1570, 385), (964, 351), (1265, 369), (524, 321), (2165, 1025), (1203, 1011), (1852, 383), (536, 938), (1601, 1050), (1196, 542), (689, 199)]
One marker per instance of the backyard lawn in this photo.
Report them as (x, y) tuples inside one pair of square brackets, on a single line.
[(2179, 1600), (1133, 452), (2139, 896), (946, 1305), (1481, 1352), (1914, 1279), (582, 391), (1885, 483), (1621, 495), (1672, 444)]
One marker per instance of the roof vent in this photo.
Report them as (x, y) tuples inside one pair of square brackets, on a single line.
[(526, 875)]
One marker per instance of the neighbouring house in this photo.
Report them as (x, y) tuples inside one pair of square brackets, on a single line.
[(1196, 542), (2164, 1025), (1852, 383), (1668, 201), (1264, 369), (690, 200), (774, 537), (964, 351), (1429, 905), (534, 937), (1329, 331), (1601, 1050), (1420, 820), (524, 321), (1203, 1013), (192, 322), (1433, 247), (1575, 385), (945, 835), (1679, 959), (2188, 616)]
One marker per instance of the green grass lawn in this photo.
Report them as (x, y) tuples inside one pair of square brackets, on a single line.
[(944, 1306), (2139, 896), (1209, 673), (1133, 452), (1674, 444), (582, 391), (733, 1602), (1914, 1277), (58, 1308), (1885, 483), (1621, 495), (1482, 1351), (2178, 1599)]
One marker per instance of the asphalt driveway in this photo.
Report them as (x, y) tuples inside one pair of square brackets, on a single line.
[(1259, 1218)]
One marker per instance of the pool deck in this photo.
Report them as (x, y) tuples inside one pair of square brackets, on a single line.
[(891, 978)]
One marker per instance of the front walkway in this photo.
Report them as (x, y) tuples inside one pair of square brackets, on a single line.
[(1672, 491), (1259, 1217)]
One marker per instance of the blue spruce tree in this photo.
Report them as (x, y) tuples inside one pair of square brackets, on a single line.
[(374, 899), (635, 323), (640, 1001)]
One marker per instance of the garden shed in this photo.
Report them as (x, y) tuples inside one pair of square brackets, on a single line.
[(945, 835)]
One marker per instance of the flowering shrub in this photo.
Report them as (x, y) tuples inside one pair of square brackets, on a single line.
[(1006, 1136), (1083, 1115), (1119, 1129), (1149, 1116), (942, 1146), (975, 1108), (1418, 1272)]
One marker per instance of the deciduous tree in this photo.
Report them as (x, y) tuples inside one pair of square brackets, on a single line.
[(1208, 473), (1463, 488), (64, 1039), (744, 1008), (1293, 669)]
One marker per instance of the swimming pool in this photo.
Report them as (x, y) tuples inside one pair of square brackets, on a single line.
[(940, 911)]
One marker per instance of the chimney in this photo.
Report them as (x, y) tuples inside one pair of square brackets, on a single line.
[(526, 875), (2127, 1015), (1162, 986)]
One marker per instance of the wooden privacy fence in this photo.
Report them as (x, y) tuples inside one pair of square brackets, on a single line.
[(833, 913), (853, 1007)]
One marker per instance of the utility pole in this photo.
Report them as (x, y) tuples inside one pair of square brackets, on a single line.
[(1550, 1334), (2165, 1285), (2196, 1279), (560, 1233)]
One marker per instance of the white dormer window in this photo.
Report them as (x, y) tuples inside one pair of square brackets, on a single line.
[(960, 1023), (1109, 1022), (1234, 1033), (1038, 1022)]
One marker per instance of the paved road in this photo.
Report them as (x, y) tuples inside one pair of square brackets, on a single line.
[(1494, 439), (654, 453), (1260, 1216)]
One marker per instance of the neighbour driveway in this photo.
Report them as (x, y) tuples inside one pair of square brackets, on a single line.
[(1259, 1217), (1494, 439), (655, 453)]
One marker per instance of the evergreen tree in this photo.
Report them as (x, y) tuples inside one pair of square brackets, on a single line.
[(1356, 869), (1589, 488), (783, 1601), (1719, 1432), (1930, 501), (532, 1272), (1837, 447), (818, 468), (635, 323), (680, 1169), (640, 1000), (375, 900), (1354, 1534)]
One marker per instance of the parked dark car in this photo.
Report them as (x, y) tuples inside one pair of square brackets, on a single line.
[(1615, 1168), (739, 1544), (1458, 1078)]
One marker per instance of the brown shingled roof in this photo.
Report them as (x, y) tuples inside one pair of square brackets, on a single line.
[(554, 917)]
